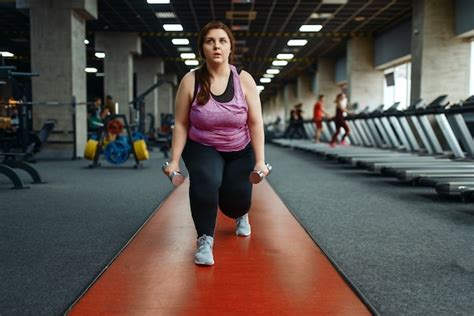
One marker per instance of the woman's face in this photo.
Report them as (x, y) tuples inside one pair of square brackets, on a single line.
[(216, 46)]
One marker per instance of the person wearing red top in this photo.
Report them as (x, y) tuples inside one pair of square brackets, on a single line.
[(319, 113)]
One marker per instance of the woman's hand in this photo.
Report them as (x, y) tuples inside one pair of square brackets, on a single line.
[(172, 166), (262, 167)]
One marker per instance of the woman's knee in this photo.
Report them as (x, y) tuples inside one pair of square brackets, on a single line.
[(236, 204)]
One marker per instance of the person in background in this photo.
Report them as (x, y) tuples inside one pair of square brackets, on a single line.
[(219, 133), (109, 108), (95, 115), (339, 120), (319, 112)]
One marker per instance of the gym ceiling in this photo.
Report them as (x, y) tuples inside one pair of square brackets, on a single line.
[(262, 29)]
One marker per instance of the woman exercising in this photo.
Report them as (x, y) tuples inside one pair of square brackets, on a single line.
[(219, 133), (339, 120)]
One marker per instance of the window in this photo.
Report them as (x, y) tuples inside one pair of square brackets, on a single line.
[(471, 80), (397, 85)]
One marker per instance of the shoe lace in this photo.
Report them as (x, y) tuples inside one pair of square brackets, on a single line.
[(202, 241), (244, 219)]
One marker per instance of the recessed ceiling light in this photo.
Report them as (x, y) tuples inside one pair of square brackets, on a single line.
[(311, 28), (184, 49), (6, 54), (273, 71), (321, 16), (297, 42), (359, 18), (334, 1), (172, 27), (180, 41), (188, 56), (240, 27), (165, 15), (279, 63), (99, 54), (285, 56), (268, 76), (260, 88), (191, 62), (86, 41), (158, 1), (265, 80), (91, 69)]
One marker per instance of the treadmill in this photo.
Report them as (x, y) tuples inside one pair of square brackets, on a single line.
[(454, 183), (398, 135), (440, 166)]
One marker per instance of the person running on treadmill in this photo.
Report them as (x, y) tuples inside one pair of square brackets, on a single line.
[(339, 120), (319, 112)]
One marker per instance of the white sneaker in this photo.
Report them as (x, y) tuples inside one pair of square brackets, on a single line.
[(243, 226), (203, 255)]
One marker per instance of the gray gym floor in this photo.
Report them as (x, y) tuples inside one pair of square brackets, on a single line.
[(408, 250)]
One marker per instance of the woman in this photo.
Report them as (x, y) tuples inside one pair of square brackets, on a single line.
[(219, 132), (319, 112), (339, 120)]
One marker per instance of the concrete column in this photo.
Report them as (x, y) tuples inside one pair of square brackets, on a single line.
[(147, 70), (58, 54), (119, 49), (440, 61), (365, 83), (286, 102), (326, 82), (166, 93), (305, 95)]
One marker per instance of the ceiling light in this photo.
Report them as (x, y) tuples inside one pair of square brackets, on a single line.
[(180, 41), (265, 80), (158, 1), (273, 71), (240, 27), (191, 62), (279, 63), (172, 27), (260, 88), (86, 41), (359, 18), (99, 55), (165, 15), (184, 49), (285, 56), (268, 76), (321, 16), (297, 42), (6, 54), (334, 1), (91, 69), (311, 28), (188, 56)]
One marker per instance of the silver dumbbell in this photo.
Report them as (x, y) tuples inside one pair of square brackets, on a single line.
[(257, 175), (176, 177)]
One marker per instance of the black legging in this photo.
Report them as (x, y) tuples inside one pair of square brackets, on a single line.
[(340, 124), (217, 179)]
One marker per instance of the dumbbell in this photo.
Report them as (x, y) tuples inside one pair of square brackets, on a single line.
[(176, 177), (257, 175)]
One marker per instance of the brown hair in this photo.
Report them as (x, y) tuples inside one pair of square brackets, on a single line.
[(339, 98), (202, 73)]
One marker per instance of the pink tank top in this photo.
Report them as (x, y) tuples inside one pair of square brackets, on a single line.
[(222, 125)]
